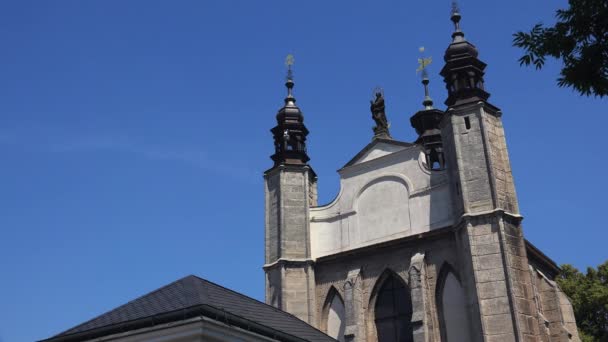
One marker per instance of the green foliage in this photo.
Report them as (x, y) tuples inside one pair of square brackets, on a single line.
[(579, 39), (589, 296)]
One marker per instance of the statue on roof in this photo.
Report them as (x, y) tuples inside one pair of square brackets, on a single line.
[(379, 115)]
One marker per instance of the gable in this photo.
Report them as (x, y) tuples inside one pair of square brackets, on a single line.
[(376, 149)]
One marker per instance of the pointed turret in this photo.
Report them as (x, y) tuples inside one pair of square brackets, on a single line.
[(463, 72), (290, 132)]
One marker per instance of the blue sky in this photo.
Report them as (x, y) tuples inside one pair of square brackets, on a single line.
[(134, 135)]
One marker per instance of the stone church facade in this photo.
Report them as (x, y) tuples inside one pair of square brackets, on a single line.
[(424, 241)]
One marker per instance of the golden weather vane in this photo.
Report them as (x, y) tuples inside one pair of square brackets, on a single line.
[(423, 62), (289, 60)]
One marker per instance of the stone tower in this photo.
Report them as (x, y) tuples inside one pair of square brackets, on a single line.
[(424, 241), (489, 230), (290, 187)]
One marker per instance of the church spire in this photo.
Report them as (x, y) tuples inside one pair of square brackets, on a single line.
[(426, 122), (463, 72), (422, 65), (290, 132)]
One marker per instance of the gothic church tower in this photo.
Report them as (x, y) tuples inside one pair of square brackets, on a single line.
[(494, 260), (290, 187)]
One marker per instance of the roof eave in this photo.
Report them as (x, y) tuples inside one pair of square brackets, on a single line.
[(174, 316)]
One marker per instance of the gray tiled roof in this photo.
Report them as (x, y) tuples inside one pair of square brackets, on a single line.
[(192, 292)]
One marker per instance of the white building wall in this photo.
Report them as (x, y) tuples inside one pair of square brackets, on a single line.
[(387, 194)]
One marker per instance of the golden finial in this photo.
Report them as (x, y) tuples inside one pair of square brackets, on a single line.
[(289, 60), (424, 61)]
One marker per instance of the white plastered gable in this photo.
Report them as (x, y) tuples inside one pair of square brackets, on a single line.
[(386, 193)]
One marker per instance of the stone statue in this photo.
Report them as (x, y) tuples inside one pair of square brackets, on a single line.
[(379, 116)]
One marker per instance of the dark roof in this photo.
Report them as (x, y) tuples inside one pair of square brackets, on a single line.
[(542, 261), (189, 297)]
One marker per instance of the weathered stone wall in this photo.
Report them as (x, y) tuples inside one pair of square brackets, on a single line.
[(313, 195), (274, 287), (272, 192), (517, 267), (290, 191), (487, 282), (473, 180), (298, 291), (567, 312), (492, 243), (449, 147), (294, 208), (499, 163), (288, 197), (363, 271), (556, 317)]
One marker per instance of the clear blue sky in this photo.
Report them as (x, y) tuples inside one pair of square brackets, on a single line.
[(134, 134)]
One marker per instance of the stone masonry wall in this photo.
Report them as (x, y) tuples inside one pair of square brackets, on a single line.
[(372, 266), (294, 208), (500, 165), (517, 267), (555, 310), (272, 217), (473, 177), (449, 148), (289, 271), (312, 191), (497, 249), (296, 292), (568, 320), (488, 274)]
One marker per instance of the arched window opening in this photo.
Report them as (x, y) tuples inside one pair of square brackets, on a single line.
[(452, 308), (335, 315), (393, 311)]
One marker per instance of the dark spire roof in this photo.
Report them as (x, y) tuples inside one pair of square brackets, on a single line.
[(190, 297), (463, 71), (290, 132)]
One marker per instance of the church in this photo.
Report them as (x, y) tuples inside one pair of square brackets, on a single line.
[(423, 242)]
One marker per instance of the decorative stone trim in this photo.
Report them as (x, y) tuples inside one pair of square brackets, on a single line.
[(352, 302), (289, 262), (417, 275), (332, 217)]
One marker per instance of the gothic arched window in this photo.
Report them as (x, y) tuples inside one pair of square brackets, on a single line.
[(393, 311), (335, 315), (452, 307)]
